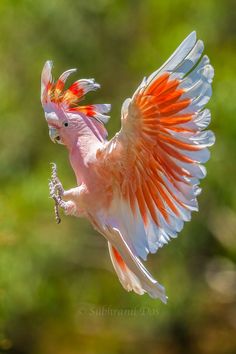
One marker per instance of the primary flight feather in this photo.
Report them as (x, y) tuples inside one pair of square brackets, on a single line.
[(140, 187)]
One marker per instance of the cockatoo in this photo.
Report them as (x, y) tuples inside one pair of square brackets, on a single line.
[(138, 188)]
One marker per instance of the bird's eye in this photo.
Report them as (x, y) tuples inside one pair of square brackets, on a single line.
[(66, 124)]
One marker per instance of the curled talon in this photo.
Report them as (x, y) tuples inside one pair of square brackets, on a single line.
[(55, 180), (57, 215), (58, 187), (54, 171), (56, 192)]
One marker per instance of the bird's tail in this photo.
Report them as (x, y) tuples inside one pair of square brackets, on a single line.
[(130, 270), (138, 279)]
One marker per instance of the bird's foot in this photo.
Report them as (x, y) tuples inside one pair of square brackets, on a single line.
[(55, 180), (56, 192)]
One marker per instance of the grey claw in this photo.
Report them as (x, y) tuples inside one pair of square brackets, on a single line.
[(54, 171), (56, 191)]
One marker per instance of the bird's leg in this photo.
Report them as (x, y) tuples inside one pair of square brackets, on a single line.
[(56, 191)]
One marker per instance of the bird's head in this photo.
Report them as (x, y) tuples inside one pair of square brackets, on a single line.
[(65, 118)]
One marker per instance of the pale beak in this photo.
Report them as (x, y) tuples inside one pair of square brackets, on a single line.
[(54, 135)]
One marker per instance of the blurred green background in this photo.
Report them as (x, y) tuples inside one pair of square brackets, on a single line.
[(58, 291)]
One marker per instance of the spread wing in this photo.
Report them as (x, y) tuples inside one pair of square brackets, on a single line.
[(156, 158)]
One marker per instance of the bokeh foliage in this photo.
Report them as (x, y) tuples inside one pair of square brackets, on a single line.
[(58, 291)]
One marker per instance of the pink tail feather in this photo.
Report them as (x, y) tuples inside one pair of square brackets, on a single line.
[(131, 281)]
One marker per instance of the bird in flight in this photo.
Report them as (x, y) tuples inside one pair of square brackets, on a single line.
[(138, 188)]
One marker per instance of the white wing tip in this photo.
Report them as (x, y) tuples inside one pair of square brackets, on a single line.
[(193, 34), (48, 64)]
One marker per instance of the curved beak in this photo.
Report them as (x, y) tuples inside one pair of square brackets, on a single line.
[(54, 135)]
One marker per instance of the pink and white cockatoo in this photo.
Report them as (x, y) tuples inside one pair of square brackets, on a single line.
[(140, 187)]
